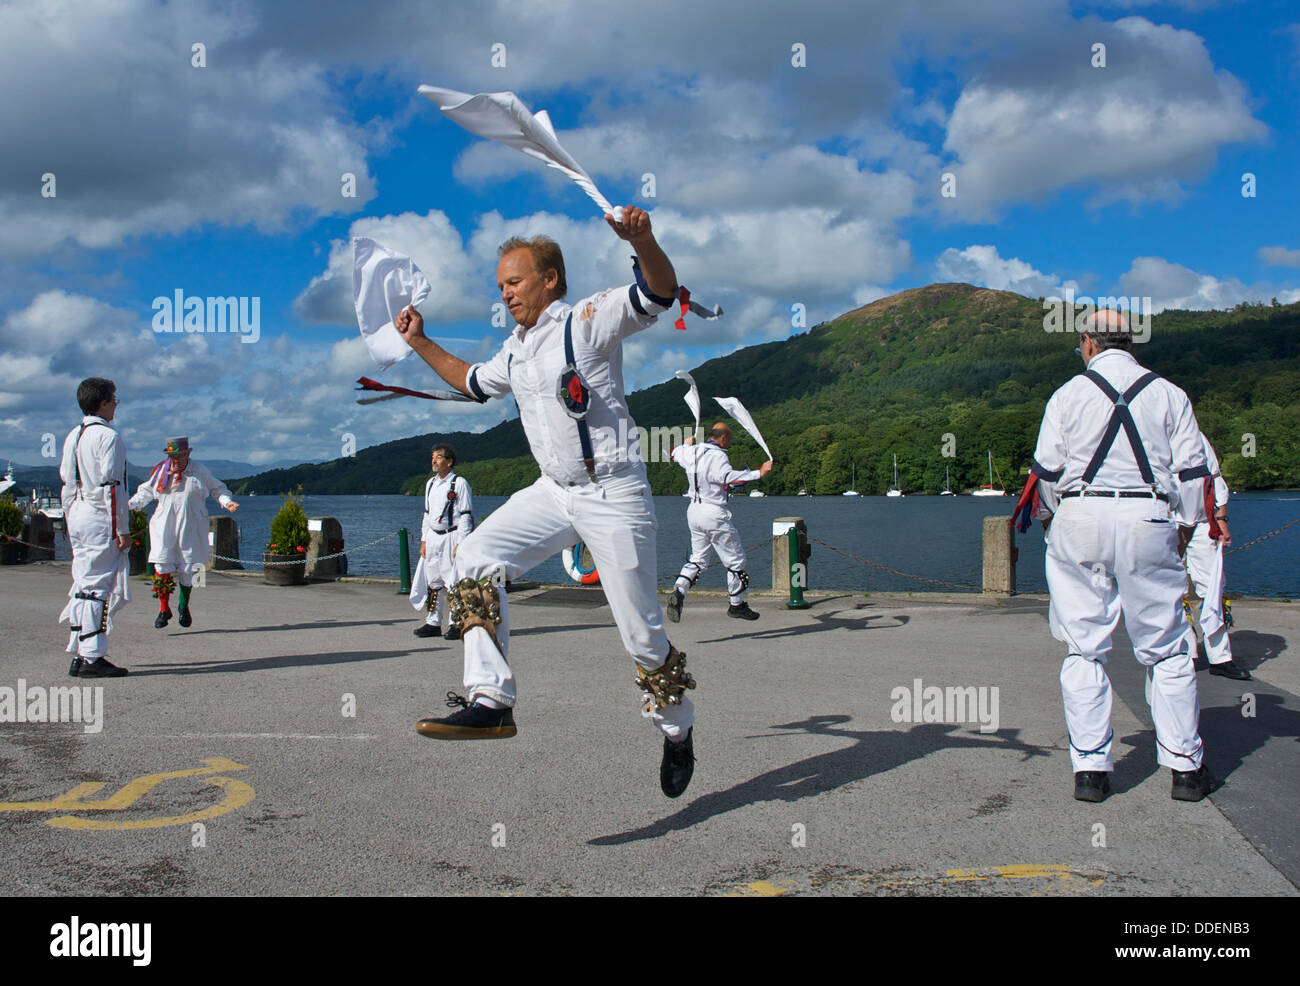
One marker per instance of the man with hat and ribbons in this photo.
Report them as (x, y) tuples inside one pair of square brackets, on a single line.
[(178, 530), (1120, 476)]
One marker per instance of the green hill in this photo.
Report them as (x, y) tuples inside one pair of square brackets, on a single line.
[(948, 367)]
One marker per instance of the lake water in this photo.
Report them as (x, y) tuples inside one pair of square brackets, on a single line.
[(931, 536)]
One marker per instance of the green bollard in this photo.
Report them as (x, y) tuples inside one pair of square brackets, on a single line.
[(798, 573), (404, 561)]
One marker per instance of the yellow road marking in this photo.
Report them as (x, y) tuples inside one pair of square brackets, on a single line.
[(238, 794)]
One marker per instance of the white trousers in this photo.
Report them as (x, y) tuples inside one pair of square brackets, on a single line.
[(713, 531), (99, 579), (1205, 566), (1105, 556), (616, 521), (183, 573), (436, 571)]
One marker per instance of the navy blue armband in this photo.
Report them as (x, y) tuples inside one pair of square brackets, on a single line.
[(659, 300)]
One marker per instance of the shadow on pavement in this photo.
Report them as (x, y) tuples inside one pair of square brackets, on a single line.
[(872, 752)]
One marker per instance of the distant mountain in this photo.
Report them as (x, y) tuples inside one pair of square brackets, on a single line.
[(938, 376)]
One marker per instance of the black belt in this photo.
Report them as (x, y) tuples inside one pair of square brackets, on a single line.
[(447, 531), (1126, 494)]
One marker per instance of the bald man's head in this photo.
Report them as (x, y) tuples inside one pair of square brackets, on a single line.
[(720, 434), (1108, 328)]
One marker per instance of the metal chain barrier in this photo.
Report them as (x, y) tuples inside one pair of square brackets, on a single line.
[(894, 571), (1263, 537), (249, 563)]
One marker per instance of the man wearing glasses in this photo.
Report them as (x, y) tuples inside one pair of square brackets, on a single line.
[(95, 507)]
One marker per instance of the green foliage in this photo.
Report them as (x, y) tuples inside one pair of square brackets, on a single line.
[(11, 517), (139, 521), (289, 533), (897, 375)]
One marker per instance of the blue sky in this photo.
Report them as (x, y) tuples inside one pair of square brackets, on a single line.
[(776, 184)]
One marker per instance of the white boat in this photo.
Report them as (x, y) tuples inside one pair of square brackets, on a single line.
[(989, 490), (894, 490), (853, 482), (947, 484), (8, 482), (803, 487), (754, 493)]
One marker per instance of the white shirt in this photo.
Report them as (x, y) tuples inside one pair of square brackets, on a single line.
[(530, 361), (710, 465), (101, 457), (1075, 420), (435, 507), (1212, 462)]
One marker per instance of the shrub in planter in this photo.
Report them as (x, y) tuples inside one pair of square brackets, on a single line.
[(288, 544), (138, 552), (11, 526)]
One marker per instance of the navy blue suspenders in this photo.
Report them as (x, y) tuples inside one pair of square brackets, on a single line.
[(584, 432), (1120, 417)]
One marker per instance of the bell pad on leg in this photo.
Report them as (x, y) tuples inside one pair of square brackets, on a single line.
[(665, 685), (474, 603)]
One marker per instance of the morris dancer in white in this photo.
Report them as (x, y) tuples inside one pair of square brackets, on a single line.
[(564, 367), (448, 520), (709, 476), (1125, 506), (178, 530), (93, 470), (1205, 566)]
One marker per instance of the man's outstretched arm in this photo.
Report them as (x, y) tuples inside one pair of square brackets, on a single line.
[(655, 265), (410, 325)]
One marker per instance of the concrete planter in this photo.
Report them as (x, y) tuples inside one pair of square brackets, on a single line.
[(281, 574), (10, 552), (137, 557)]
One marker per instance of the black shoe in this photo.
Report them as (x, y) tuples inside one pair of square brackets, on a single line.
[(472, 722), (427, 630), (74, 668), (1191, 785), (1230, 669), (674, 607), (1091, 785), (678, 765), (161, 619), (742, 612), (101, 669), (453, 633), (186, 619)]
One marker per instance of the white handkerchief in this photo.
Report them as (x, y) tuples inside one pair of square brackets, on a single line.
[(737, 410), (501, 116), (692, 396), (383, 283)]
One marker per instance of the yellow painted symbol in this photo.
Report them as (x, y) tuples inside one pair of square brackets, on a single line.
[(238, 794)]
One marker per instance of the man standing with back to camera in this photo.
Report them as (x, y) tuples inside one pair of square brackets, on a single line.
[(564, 365), (1119, 459)]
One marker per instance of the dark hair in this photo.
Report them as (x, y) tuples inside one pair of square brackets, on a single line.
[(546, 256), (94, 391), (447, 451)]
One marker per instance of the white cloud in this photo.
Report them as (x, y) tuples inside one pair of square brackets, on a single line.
[(982, 265), (1171, 285), (1279, 256), (1150, 121)]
